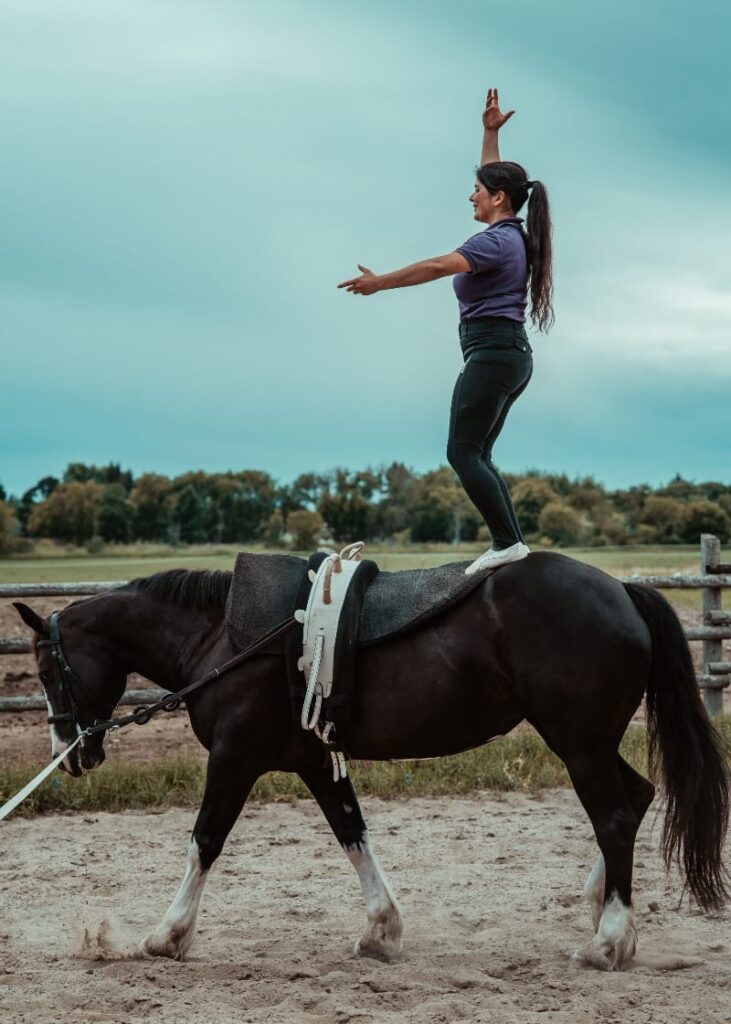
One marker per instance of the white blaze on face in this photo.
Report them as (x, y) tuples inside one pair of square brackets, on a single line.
[(57, 744)]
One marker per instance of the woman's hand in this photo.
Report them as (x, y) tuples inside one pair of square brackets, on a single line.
[(492, 117), (366, 284)]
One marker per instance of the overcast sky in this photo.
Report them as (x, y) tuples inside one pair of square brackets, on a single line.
[(183, 184)]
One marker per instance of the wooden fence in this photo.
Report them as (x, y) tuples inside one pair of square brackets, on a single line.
[(713, 578)]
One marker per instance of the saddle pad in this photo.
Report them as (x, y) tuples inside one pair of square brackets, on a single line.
[(397, 601), (264, 591)]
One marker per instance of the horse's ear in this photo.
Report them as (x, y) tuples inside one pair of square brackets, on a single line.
[(31, 618)]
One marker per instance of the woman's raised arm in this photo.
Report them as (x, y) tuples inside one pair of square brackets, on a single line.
[(492, 121)]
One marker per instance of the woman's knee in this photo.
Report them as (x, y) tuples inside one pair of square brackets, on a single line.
[(466, 461)]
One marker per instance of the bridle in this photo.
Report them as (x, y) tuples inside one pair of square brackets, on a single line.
[(65, 677)]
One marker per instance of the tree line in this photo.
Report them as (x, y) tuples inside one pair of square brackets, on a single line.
[(93, 505)]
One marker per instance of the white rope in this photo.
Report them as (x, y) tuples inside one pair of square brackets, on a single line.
[(340, 768), (306, 721), (9, 807)]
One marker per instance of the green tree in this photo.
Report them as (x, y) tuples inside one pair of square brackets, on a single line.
[(38, 492), (109, 474), (246, 502), (679, 488), (704, 517), (305, 527), (306, 491), (115, 515), (347, 508), (630, 502), (662, 516), (530, 496), (442, 511), (274, 529), (560, 522), (68, 513), (586, 495), (396, 509), (8, 528), (152, 501), (189, 516)]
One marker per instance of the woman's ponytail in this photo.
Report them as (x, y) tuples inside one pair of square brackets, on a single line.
[(512, 179), (540, 257)]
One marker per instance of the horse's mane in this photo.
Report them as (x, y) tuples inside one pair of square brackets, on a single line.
[(192, 588)]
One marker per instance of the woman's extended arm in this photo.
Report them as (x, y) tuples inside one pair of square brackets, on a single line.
[(416, 273), (492, 121)]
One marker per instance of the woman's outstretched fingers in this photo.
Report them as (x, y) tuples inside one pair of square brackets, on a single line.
[(492, 117), (363, 285)]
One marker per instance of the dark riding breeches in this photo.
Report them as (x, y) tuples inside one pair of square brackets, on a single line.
[(498, 365)]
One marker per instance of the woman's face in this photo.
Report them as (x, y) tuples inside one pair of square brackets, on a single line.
[(484, 204)]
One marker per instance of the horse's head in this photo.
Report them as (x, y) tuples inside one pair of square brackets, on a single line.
[(82, 682)]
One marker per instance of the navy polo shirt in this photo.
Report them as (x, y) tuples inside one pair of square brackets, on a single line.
[(498, 282)]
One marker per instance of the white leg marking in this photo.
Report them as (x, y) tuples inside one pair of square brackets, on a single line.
[(616, 938), (382, 937), (594, 889), (174, 935)]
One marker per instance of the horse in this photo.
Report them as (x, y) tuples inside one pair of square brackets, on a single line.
[(546, 640)]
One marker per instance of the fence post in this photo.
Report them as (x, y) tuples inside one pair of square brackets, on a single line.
[(711, 602)]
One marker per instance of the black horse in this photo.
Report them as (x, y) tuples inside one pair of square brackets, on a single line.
[(546, 640)]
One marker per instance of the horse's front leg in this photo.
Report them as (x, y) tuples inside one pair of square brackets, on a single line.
[(339, 804), (228, 783)]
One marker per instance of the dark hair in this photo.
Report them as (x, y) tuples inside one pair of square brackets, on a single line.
[(512, 179)]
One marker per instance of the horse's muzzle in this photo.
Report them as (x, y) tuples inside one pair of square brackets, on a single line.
[(92, 754)]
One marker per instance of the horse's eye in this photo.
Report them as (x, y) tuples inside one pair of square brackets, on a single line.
[(45, 677)]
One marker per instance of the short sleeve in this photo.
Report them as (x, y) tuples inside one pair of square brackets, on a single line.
[(482, 251)]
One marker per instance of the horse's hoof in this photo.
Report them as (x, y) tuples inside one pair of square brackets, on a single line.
[(167, 944), (382, 938), (608, 955), (615, 942)]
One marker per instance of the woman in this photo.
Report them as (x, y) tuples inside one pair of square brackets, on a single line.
[(493, 272)]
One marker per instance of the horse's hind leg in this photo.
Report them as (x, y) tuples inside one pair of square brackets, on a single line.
[(339, 804), (600, 785), (640, 792), (228, 783)]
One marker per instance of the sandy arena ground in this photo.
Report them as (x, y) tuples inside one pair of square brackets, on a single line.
[(489, 889)]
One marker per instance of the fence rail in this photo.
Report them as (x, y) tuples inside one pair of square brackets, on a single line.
[(714, 577)]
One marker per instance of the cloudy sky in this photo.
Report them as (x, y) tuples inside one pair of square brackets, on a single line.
[(183, 184)]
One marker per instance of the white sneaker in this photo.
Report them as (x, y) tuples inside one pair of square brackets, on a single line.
[(491, 559)]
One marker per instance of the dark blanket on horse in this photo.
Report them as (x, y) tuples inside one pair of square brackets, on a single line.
[(264, 591)]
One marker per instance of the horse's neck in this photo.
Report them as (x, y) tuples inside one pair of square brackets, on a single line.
[(156, 639)]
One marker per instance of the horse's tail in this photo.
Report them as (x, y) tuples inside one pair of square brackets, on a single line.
[(690, 753)]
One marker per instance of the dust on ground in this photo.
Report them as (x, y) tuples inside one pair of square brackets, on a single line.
[(489, 887)]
